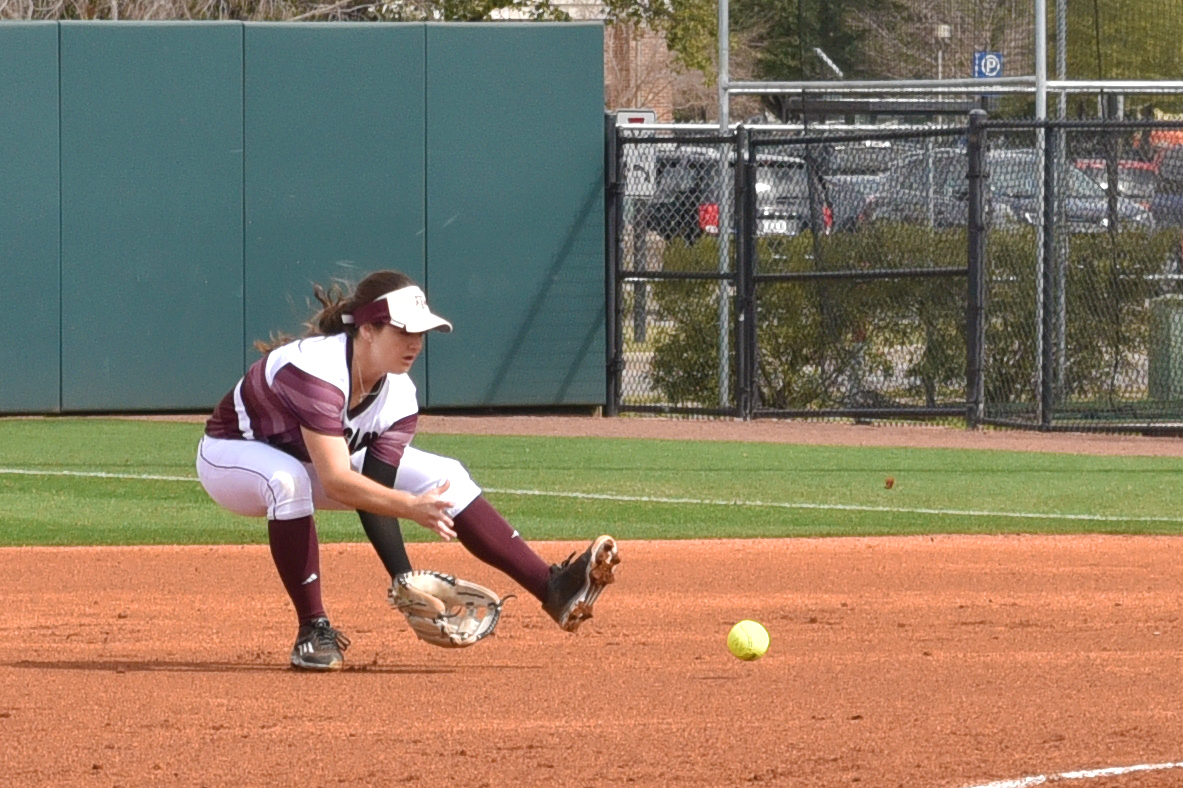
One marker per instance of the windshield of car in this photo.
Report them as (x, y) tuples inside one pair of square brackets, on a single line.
[(1016, 177), (860, 160), (942, 173), (679, 175), (1135, 183), (781, 182)]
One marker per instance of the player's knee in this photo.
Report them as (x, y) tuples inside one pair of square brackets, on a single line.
[(462, 489), (455, 472)]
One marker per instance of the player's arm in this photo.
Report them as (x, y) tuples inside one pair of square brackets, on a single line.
[(330, 457), (384, 533)]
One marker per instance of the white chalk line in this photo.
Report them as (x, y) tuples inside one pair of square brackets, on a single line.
[(147, 477), (833, 507), (1087, 774), (842, 507)]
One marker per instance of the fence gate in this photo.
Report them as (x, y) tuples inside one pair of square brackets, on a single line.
[(797, 310), (673, 332), (853, 315)]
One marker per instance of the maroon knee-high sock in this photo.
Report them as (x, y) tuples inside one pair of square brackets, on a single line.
[(485, 533), (296, 552)]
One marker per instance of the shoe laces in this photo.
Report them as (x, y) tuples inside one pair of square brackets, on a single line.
[(324, 634)]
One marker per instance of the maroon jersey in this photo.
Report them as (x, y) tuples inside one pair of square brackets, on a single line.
[(307, 383)]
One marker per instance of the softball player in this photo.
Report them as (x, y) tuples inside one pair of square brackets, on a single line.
[(326, 422)]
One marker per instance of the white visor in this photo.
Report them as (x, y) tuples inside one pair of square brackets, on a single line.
[(405, 308)]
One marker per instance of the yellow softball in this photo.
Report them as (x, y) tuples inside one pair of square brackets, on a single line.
[(747, 640)]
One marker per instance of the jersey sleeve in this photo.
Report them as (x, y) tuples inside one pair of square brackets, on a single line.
[(316, 403), (389, 446)]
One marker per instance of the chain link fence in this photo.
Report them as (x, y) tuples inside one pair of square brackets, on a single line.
[(845, 283), (675, 279), (863, 317), (1081, 327)]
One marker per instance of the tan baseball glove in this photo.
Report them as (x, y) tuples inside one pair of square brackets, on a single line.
[(444, 610)]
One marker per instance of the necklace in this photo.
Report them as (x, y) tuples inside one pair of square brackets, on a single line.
[(358, 393)]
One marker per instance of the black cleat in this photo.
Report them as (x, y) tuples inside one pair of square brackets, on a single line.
[(575, 584), (319, 647)]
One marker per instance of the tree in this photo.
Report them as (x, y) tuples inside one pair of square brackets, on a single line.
[(790, 38), (1130, 39), (466, 10), (690, 27), (284, 10)]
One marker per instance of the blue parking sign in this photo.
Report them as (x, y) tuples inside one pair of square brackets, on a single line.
[(987, 65)]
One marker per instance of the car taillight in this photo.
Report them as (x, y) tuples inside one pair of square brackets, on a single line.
[(828, 218), (708, 218)]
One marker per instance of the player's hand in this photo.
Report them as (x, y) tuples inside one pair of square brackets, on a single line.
[(430, 510)]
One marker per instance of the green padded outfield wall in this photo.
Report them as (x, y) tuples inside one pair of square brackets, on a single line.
[(515, 220), (151, 234), (30, 360), (334, 167), (180, 192)]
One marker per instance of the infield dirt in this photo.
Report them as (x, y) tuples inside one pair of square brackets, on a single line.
[(910, 661)]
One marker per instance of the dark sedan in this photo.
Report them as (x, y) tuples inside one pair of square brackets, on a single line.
[(685, 202), (932, 188)]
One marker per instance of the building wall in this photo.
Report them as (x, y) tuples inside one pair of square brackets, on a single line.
[(637, 71)]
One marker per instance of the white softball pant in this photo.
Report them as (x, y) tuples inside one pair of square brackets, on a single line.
[(253, 479)]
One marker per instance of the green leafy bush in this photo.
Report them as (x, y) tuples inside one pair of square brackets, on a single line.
[(1103, 291), (829, 343), (686, 352)]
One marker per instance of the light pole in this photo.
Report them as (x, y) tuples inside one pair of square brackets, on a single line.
[(944, 33)]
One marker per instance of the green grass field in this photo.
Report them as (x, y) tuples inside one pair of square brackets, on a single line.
[(71, 481)]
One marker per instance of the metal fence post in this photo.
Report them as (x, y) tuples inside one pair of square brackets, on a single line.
[(1048, 309), (612, 226), (725, 222), (975, 310), (745, 313)]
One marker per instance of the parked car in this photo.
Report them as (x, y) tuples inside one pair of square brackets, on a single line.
[(1136, 180), (1157, 184), (852, 170), (861, 164), (685, 201), (933, 188)]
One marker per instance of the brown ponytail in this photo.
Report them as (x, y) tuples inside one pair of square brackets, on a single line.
[(336, 301)]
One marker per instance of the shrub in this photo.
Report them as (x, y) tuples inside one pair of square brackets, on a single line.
[(832, 343)]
